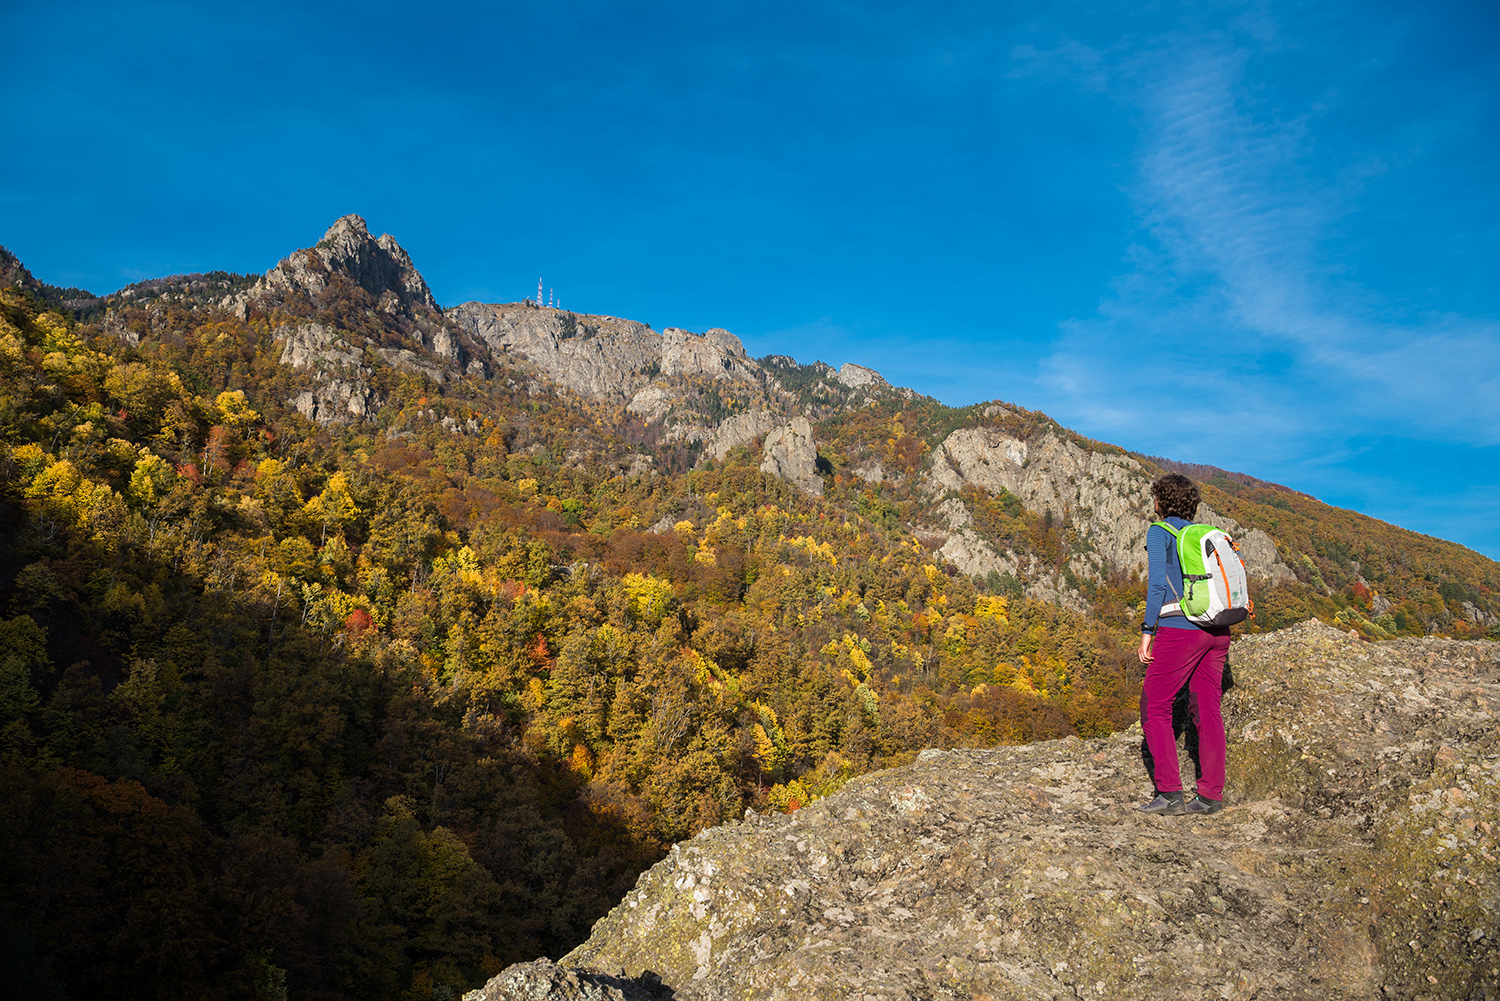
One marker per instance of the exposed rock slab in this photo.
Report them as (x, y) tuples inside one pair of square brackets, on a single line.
[(974, 556), (544, 980), (651, 403), (742, 429), (314, 345), (717, 354), (859, 377), (598, 356), (1354, 860), (1107, 495), (335, 400), (791, 454)]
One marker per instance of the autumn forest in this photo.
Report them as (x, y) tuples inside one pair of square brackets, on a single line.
[(372, 708)]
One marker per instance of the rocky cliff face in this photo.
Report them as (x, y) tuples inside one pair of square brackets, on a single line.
[(717, 354), (743, 429), (620, 361), (596, 356), (858, 376), (605, 357), (379, 266), (791, 454), (1355, 859), (338, 363), (659, 378), (1105, 495)]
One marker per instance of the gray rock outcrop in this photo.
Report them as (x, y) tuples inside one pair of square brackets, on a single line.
[(1355, 859), (602, 357), (341, 389), (717, 354), (1257, 549), (858, 376), (1106, 495), (380, 266), (544, 980), (335, 361), (335, 400), (742, 429), (791, 454), (651, 403), (313, 345), (968, 551)]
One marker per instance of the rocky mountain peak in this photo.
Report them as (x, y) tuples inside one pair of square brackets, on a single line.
[(396, 320), (351, 226), (347, 251)]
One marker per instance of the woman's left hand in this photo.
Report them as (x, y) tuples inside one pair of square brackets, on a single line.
[(1146, 655)]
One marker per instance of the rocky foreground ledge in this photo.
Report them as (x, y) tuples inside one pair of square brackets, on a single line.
[(1357, 858)]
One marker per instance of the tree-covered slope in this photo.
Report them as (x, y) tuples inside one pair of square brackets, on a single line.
[(371, 707)]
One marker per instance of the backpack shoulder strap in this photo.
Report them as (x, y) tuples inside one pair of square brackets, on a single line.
[(1177, 536)]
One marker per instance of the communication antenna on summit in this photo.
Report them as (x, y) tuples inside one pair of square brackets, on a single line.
[(539, 293), (549, 298)]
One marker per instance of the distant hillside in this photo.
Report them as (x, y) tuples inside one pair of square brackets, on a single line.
[(358, 647), (13, 274)]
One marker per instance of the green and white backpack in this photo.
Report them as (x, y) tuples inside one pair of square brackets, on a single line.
[(1215, 592)]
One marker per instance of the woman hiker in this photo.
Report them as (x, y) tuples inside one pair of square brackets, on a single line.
[(1177, 652)]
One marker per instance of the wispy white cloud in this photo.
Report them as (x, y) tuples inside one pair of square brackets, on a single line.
[(1068, 60), (1237, 203)]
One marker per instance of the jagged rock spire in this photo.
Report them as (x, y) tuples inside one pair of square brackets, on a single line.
[(378, 266)]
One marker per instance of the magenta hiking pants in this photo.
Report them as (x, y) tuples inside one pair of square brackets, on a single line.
[(1196, 658)]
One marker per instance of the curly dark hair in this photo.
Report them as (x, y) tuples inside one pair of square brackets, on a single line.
[(1178, 495)]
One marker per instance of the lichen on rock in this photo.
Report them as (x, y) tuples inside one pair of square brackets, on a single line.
[(1354, 859)]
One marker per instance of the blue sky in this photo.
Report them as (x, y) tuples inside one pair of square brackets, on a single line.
[(1257, 235)]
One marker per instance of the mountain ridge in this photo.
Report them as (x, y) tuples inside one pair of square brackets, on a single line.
[(327, 609), (674, 382)]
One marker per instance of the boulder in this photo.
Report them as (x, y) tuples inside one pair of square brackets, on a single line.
[(1354, 860)]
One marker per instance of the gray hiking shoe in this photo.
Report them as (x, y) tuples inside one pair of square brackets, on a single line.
[(1166, 804), (1203, 805)]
